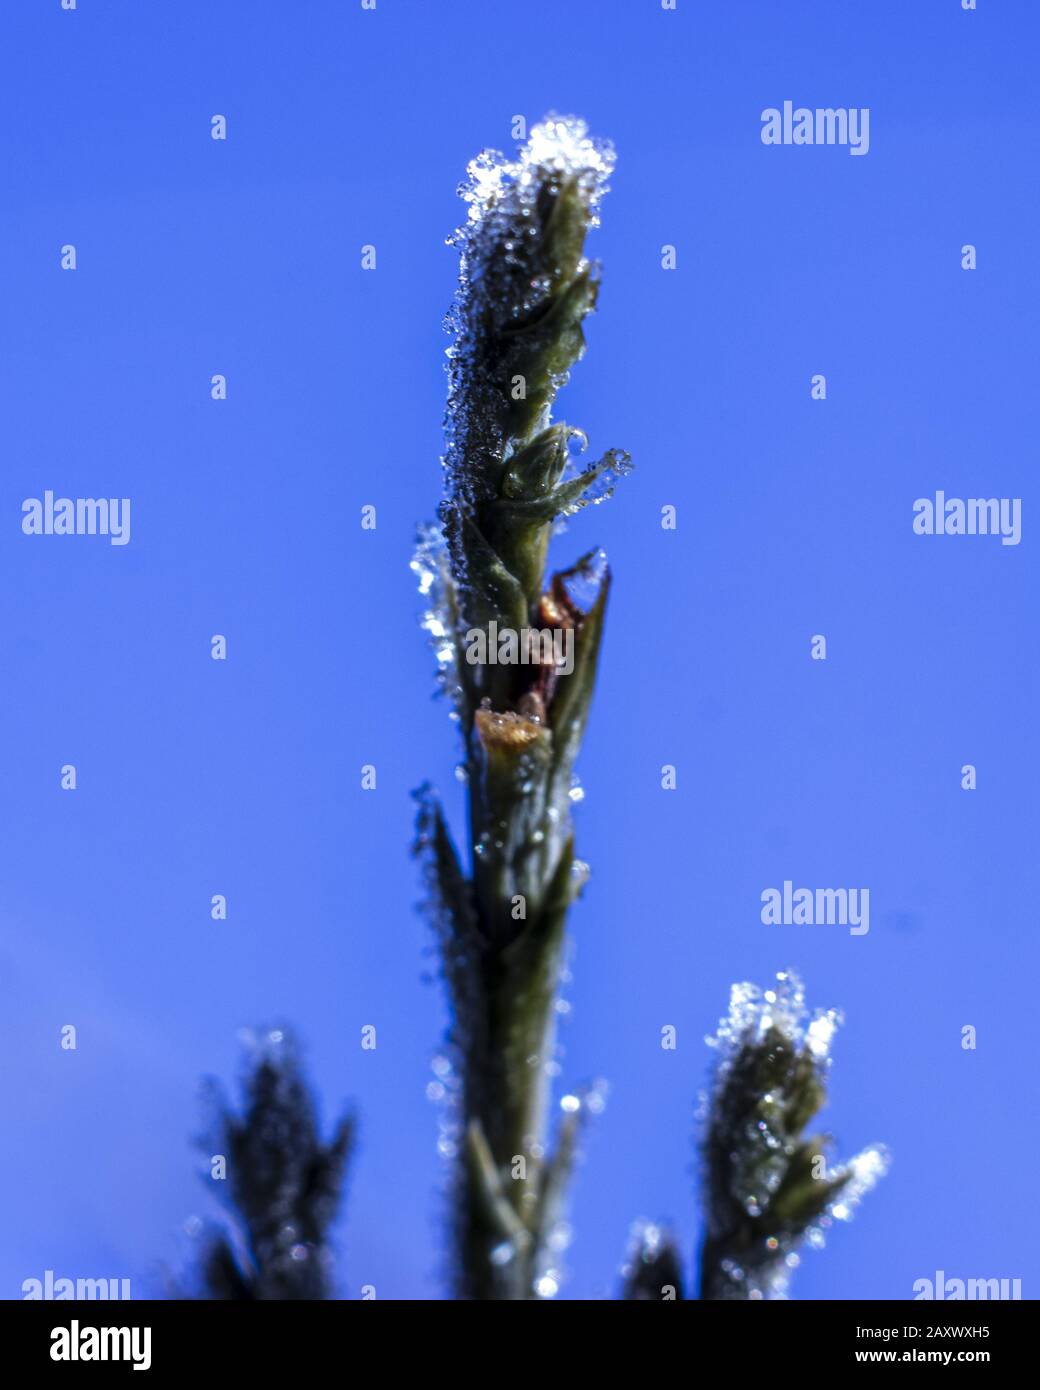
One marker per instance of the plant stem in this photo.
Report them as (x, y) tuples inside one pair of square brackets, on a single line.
[(525, 287), (768, 1187), (284, 1183)]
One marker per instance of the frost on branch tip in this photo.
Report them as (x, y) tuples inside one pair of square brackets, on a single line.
[(525, 287), (768, 1188)]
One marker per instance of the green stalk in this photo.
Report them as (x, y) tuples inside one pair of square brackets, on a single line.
[(525, 289), (767, 1187)]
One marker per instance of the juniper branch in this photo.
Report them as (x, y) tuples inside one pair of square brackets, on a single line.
[(767, 1186), (525, 289), (284, 1185)]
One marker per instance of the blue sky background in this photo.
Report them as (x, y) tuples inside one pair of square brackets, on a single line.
[(195, 777)]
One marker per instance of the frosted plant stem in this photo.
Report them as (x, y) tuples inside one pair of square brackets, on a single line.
[(768, 1187), (524, 289)]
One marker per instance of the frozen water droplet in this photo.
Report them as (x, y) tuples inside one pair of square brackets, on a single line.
[(583, 584), (577, 441), (580, 874), (560, 1236)]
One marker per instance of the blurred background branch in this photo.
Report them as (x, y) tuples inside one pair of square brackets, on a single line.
[(284, 1184)]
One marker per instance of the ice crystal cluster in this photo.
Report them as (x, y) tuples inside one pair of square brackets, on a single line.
[(768, 1188)]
